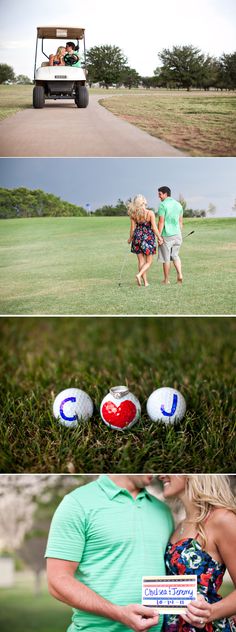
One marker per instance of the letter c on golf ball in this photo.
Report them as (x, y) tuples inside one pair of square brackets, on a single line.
[(166, 404), (72, 405)]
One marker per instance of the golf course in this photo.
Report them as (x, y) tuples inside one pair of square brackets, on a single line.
[(83, 266), (39, 357)]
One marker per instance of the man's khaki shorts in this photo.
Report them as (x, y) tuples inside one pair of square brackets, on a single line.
[(169, 250)]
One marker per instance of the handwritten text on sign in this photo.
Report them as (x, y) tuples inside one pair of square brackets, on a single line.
[(169, 594)]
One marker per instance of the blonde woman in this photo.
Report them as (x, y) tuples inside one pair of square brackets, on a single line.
[(203, 544), (57, 60), (143, 230)]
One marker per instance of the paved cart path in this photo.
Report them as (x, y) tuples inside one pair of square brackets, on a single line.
[(61, 129)]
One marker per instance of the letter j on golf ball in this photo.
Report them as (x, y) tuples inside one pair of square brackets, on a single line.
[(166, 404), (72, 405)]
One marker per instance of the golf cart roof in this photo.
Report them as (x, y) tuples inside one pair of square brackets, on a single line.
[(60, 32)]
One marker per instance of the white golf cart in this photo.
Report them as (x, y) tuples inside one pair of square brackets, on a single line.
[(60, 82)]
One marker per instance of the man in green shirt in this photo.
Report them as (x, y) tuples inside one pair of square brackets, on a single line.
[(104, 537), (170, 225)]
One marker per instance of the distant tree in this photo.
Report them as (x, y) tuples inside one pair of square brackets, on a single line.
[(150, 82), (183, 202), (182, 66), (105, 64), (195, 213), (211, 209), (110, 210), (6, 73), (189, 212), (23, 79), (228, 70), (130, 78), (210, 75), (234, 205)]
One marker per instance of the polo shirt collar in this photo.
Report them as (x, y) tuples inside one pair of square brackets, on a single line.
[(112, 490)]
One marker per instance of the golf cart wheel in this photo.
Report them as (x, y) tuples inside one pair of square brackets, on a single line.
[(82, 97), (38, 97)]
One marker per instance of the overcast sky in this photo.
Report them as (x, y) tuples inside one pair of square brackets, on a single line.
[(99, 181), (140, 29)]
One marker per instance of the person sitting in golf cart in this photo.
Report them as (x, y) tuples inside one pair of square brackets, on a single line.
[(58, 59), (71, 58)]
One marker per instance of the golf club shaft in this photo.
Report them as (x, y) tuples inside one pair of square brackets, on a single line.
[(188, 235), (122, 267)]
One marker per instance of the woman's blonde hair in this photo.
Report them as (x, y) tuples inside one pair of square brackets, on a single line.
[(59, 50), (208, 492), (137, 208)]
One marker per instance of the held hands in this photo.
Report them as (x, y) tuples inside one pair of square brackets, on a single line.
[(160, 240), (139, 618), (198, 612)]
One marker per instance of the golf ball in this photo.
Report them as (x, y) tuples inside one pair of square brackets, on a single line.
[(71, 406), (166, 404), (120, 409)]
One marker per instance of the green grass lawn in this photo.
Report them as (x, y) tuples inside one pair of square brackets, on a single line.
[(22, 611), (14, 99), (41, 356), (199, 123), (72, 266)]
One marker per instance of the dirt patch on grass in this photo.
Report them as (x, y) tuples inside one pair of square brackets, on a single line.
[(201, 125)]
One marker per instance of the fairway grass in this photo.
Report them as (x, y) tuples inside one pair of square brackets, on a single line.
[(198, 123), (14, 99), (72, 266), (39, 357)]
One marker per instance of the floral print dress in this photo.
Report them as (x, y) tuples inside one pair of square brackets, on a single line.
[(186, 557), (143, 240)]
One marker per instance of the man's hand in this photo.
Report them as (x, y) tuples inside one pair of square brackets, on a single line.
[(138, 618), (198, 612)]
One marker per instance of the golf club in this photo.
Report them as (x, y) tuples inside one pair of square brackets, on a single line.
[(188, 235), (122, 268)]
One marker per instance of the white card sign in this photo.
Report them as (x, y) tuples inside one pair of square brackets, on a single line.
[(169, 594), (61, 33)]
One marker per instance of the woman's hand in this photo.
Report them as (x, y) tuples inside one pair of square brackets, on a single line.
[(129, 240), (198, 612), (160, 240)]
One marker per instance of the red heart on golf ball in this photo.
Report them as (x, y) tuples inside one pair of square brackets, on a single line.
[(119, 416)]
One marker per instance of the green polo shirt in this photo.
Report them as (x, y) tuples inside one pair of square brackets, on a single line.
[(171, 210), (115, 539)]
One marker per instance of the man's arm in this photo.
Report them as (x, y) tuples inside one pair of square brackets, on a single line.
[(161, 222), (63, 586)]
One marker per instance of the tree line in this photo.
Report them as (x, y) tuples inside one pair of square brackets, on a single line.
[(23, 202), (182, 67)]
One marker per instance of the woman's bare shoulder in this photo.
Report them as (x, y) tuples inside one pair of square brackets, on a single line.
[(222, 517)]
